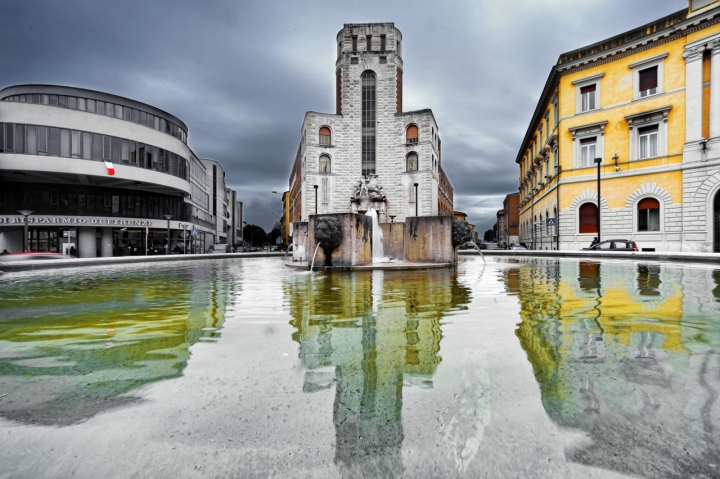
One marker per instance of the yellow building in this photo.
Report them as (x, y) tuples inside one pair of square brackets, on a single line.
[(647, 104)]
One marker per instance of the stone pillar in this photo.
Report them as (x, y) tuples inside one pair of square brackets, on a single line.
[(714, 88), (693, 97), (87, 242), (106, 242)]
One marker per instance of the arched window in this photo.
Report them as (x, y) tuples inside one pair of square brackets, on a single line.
[(411, 134), (325, 164), (648, 215), (325, 135), (411, 162), (368, 123), (588, 218)]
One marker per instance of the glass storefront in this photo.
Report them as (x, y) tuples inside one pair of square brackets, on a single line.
[(126, 242)]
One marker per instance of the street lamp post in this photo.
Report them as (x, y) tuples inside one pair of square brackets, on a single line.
[(184, 227), (316, 187), (168, 218), (598, 161), (25, 213), (416, 199)]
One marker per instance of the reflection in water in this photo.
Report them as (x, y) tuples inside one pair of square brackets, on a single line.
[(630, 358), (69, 347), (379, 331)]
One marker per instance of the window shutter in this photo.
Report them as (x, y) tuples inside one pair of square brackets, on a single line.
[(648, 78), (648, 204), (412, 133), (588, 89)]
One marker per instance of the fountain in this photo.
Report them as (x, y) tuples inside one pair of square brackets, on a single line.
[(378, 253), (357, 240)]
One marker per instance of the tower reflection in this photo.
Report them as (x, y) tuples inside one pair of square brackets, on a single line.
[(370, 334)]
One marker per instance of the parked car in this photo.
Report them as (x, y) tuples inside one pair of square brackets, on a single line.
[(614, 245), (32, 256), (488, 245), (218, 249), (517, 247)]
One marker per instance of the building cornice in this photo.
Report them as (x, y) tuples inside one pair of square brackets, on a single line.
[(672, 27)]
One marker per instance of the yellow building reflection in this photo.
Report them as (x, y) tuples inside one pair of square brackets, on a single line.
[(370, 334), (626, 352)]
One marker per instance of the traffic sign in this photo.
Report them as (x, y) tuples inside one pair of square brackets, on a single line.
[(550, 221)]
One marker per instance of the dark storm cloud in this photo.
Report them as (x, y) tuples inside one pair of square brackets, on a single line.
[(242, 74)]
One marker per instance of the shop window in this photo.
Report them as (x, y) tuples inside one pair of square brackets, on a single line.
[(412, 134), (648, 215), (588, 218), (325, 135)]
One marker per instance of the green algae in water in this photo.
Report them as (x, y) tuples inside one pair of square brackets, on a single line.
[(72, 347)]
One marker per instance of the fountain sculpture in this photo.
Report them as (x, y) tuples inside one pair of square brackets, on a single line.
[(358, 239)]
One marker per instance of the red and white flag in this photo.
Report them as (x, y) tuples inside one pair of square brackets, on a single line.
[(110, 167)]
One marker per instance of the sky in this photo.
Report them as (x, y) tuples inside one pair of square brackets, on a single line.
[(242, 74)]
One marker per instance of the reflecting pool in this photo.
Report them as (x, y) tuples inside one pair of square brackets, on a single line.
[(522, 367)]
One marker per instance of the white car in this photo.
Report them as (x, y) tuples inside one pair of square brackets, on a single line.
[(219, 249), (517, 247)]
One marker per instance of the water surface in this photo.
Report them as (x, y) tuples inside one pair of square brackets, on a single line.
[(244, 368)]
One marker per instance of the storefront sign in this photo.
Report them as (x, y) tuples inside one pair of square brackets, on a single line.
[(48, 220), (73, 220)]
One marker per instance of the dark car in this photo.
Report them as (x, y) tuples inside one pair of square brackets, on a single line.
[(614, 245)]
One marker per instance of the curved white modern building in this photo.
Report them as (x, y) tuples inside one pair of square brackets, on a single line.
[(101, 174)]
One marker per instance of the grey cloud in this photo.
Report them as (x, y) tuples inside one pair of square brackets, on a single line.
[(242, 74)]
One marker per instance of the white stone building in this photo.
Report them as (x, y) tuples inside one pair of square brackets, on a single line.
[(369, 136)]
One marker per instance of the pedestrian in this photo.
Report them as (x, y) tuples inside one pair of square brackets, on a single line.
[(4, 252), (594, 242)]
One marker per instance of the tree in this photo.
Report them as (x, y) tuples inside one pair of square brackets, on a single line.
[(275, 233), (489, 235), (258, 238)]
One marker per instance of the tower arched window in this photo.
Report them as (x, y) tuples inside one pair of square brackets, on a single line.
[(411, 162), (368, 123), (588, 218), (325, 135), (325, 164), (412, 134)]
